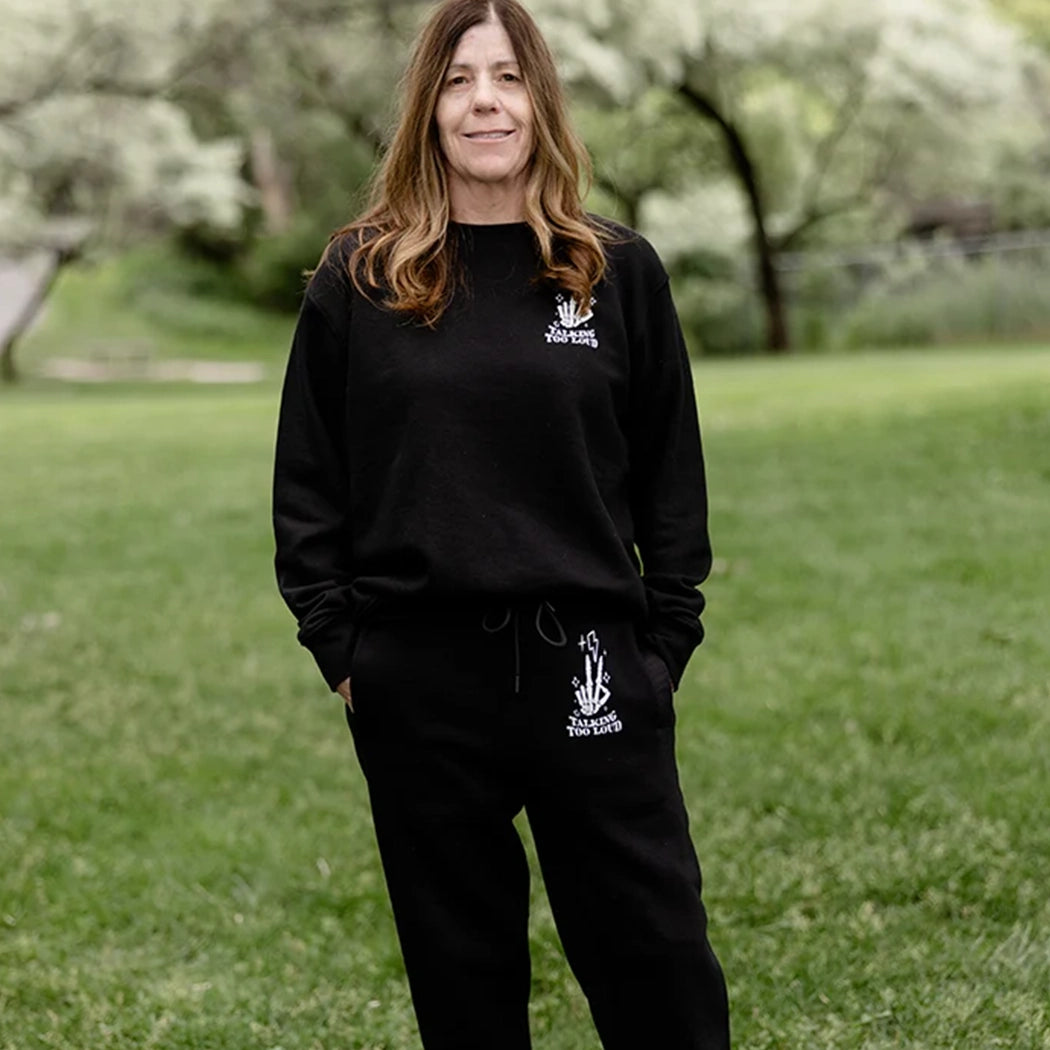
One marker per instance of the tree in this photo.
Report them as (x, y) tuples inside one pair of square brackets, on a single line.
[(821, 107), (88, 125), (148, 112), (1024, 169), (89, 142), (188, 114)]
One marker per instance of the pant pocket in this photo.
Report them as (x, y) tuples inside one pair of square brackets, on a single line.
[(663, 688)]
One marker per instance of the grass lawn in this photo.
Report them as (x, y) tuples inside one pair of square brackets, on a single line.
[(186, 859)]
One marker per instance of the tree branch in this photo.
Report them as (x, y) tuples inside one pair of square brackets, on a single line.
[(814, 216), (316, 88), (824, 150)]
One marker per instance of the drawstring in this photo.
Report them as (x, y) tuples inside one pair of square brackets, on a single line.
[(509, 614), (494, 628), (560, 641)]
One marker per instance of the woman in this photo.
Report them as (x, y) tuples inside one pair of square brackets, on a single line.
[(487, 430)]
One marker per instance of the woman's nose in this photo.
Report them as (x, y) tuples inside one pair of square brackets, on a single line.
[(485, 97)]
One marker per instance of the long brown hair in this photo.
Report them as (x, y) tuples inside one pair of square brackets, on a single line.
[(402, 245)]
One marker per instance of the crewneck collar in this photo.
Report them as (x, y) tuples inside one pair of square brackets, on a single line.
[(480, 228), (492, 236)]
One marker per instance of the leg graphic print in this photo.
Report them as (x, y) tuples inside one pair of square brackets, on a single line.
[(592, 693)]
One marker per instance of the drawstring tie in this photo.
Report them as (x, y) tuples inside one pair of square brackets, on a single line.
[(509, 614)]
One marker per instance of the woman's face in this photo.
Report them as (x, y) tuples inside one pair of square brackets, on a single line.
[(484, 116)]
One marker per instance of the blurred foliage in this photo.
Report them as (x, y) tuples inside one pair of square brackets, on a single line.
[(1032, 15), (272, 273), (250, 128), (831, 121), (922, 298), (651, 146), (954, 300)]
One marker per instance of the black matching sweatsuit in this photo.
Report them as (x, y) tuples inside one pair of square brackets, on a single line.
[(496, 529)]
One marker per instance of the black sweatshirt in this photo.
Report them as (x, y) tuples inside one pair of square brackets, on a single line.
[(522, 449)]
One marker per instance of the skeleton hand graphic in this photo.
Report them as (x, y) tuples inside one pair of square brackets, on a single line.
[(570, 315), (592, 693)]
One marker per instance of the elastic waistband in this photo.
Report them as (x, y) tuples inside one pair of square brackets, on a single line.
[(471, 609), (551, 620)]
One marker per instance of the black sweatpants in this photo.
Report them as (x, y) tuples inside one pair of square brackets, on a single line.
[(462, 718)]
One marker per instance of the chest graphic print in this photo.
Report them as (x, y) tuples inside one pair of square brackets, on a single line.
[(592, 715), (568, 327)]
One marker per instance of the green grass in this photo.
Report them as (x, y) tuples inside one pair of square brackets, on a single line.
[(186, 859)]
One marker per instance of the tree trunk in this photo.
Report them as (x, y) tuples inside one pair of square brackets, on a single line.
[(8, 372), (30, 297), (271, 180), (777, 335), (29, 281)]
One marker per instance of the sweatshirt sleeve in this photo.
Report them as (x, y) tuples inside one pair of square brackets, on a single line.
[(668, 486), (310, 492)]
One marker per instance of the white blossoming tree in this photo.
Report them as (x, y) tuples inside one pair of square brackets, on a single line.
[(88, 124), (145, 116), (819, 105), (90, 140)]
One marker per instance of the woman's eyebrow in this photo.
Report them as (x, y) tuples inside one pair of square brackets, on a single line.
[(500, 64)]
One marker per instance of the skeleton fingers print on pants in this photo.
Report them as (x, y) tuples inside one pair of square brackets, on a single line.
[(593, 693)]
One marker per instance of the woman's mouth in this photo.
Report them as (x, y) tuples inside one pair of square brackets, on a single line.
[(488, 136)]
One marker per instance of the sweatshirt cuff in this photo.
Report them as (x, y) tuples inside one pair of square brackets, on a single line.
[(331, 651)]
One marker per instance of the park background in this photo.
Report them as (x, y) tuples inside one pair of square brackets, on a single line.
[(854, 203)]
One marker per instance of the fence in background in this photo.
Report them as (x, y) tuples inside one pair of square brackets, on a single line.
[(921, 291)]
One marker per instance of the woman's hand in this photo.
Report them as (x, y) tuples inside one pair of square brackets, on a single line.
[(343, 689)]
